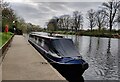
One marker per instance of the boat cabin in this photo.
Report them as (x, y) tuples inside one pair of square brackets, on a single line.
[(63, 47)]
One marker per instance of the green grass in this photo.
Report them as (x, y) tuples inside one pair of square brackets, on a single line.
[(4, 37)]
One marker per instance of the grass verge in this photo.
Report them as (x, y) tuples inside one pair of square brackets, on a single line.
[(4, 37)]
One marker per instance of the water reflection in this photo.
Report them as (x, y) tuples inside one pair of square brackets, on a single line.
[(90, 45), (119, 59), (77, 41), (98, 43), (109, 62), (102, 56)]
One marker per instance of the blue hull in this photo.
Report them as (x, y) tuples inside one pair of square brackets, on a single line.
[(64, 65)]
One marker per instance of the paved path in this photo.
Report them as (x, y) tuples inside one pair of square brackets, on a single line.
[(23, 62)]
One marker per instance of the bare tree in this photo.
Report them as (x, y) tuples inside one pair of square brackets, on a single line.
[(118, 18), (112, 11), (91, 17), (101, 19), (71, 26), (64, 22), (77, 20), (67, 21), (60, 23)]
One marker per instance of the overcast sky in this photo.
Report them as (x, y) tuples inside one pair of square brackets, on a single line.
[(39, 12)]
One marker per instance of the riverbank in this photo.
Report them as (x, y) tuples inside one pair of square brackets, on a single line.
[(4, 37), (89, 33)]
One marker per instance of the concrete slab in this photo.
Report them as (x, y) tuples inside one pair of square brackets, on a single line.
[(23, 62)]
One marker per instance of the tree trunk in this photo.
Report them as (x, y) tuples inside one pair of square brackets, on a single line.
[(91, 28), (110, 27), (99, 28), (75, 29)]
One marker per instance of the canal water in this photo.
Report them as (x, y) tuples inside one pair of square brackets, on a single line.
[(102, 54)]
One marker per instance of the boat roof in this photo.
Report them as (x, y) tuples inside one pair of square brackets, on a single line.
[(40, 34)]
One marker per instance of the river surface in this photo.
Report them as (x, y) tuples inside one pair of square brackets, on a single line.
[(102, 54)]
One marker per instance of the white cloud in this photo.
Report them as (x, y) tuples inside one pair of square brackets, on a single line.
[(69, 0), (20, 1)]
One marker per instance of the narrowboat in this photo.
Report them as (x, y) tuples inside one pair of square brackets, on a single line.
[(59, 51)]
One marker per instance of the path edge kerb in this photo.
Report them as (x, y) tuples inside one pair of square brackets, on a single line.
[(5, 46)]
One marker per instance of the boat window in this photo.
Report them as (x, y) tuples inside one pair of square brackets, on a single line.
[(40, 40), (35, 38), (37, 41), (65, 47), (31, 36), (44, 45)]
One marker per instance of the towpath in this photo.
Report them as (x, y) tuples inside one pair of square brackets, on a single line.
[(23, 62)]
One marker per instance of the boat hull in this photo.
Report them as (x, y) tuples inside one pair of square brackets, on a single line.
[(69, 71)]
